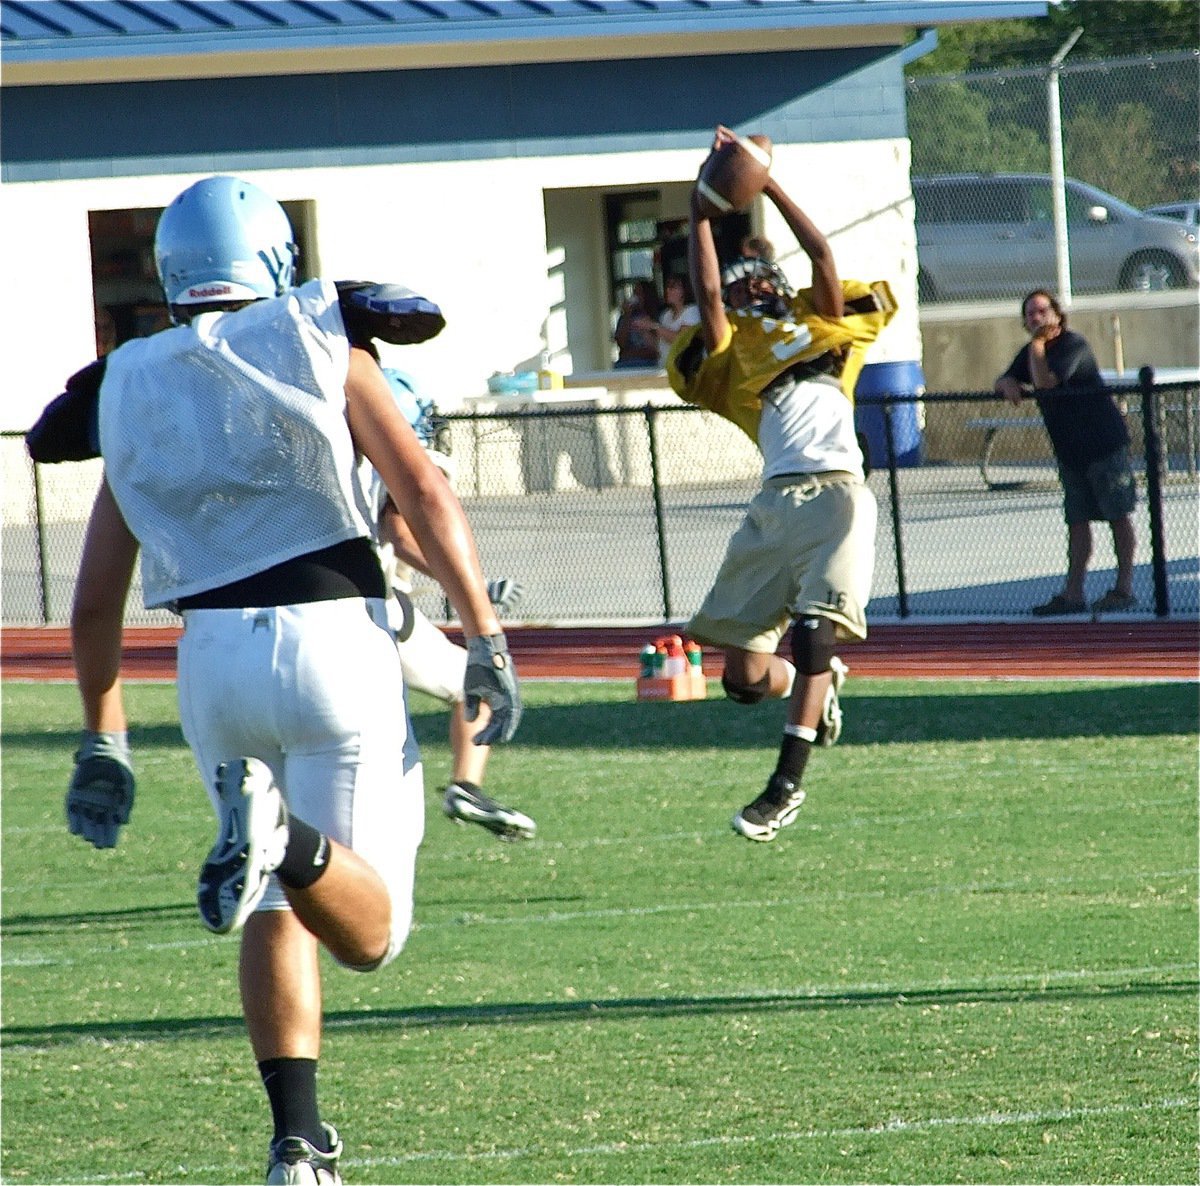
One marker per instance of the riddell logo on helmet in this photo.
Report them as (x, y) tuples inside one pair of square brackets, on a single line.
[(211, 290)]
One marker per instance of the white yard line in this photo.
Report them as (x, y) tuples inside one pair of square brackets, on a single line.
[(891, 1127)]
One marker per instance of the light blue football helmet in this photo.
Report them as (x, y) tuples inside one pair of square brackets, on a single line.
[(418, 412), (224, 239)]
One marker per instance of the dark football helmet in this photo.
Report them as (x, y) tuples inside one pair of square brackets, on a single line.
[(756, 284)]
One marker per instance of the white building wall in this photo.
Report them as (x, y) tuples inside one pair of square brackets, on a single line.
[(45, 299), (860, 196), (470, 235)]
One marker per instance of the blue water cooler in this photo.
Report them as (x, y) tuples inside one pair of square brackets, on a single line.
[(890, 378)]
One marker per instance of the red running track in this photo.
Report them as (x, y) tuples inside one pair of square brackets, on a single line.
[(1111, 648)]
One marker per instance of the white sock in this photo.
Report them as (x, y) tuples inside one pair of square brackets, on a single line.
[(801, 731), (791, 667)]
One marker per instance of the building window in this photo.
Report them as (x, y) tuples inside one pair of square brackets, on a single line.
[(601, 239), (127, 297), (632, 224), (643, 244)]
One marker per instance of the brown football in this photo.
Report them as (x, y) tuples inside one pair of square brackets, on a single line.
[(734, 175)]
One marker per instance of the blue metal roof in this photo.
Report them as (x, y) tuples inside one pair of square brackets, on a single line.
[(47, 31)]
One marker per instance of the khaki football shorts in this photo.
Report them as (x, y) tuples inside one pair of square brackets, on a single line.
[(805, 547)]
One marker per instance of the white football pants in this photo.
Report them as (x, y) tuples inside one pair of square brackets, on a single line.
[(314, 691)]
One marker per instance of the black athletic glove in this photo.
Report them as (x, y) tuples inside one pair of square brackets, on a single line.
[(492, 678), (100, 796), (504, 593)]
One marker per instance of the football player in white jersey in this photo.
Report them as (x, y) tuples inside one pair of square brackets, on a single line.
[(431, 662), (229, 446), (782, 366)]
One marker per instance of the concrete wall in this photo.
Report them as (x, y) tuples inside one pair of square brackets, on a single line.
[(966, 346)]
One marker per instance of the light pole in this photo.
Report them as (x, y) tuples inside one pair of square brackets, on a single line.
[(1058, 184)]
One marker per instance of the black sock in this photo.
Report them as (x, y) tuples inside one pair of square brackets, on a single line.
[(306, 857), (291, 1085), (793, 757)]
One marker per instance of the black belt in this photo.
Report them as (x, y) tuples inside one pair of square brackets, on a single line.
[(348, 569)]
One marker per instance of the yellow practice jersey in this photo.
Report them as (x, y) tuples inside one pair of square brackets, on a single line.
[(758, 349)]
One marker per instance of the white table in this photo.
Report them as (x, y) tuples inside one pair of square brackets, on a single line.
[(543, 443)]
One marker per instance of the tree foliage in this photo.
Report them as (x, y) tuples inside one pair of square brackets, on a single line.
[(1129, 129), (1111, 29), (952, 129)]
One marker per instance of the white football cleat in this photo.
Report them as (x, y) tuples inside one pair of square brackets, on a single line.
[(252, 834), (292, 1161), (469, 805)]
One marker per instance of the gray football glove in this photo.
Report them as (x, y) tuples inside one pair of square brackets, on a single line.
[(492, 678), (100, 796), (504, 593)]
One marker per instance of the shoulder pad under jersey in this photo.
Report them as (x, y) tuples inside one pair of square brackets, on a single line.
[(68, 430), (389, 312)]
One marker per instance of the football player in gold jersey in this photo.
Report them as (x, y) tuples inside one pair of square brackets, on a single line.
[(781, 365)]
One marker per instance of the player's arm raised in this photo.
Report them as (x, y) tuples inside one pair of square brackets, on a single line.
[(827, 285), (704, 266)]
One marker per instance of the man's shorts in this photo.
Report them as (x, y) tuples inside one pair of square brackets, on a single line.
[(805, 548), (1103, 492)]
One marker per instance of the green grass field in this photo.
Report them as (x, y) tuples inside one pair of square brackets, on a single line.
[(972, 959)]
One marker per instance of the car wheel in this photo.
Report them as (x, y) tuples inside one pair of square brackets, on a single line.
[(1150, 271)]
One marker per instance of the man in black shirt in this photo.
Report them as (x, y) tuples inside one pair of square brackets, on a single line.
[(1091, 446)]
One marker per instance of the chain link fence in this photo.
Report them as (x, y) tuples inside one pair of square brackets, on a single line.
[(982, 165), (621, 515)]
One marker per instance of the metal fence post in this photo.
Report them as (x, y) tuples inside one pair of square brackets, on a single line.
[(39, 530), (889, 435), (651, 414), (1154, 494)]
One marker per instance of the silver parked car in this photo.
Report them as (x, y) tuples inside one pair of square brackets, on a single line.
[(983, 235)]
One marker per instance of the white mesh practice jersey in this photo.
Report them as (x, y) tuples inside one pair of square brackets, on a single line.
[(808, 428), (226, 443)]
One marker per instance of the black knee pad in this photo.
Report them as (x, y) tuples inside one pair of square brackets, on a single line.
[(813, 644), (746, 693)]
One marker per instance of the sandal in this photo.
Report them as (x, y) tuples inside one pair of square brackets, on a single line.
[(1114, 602), (1058, 604)]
